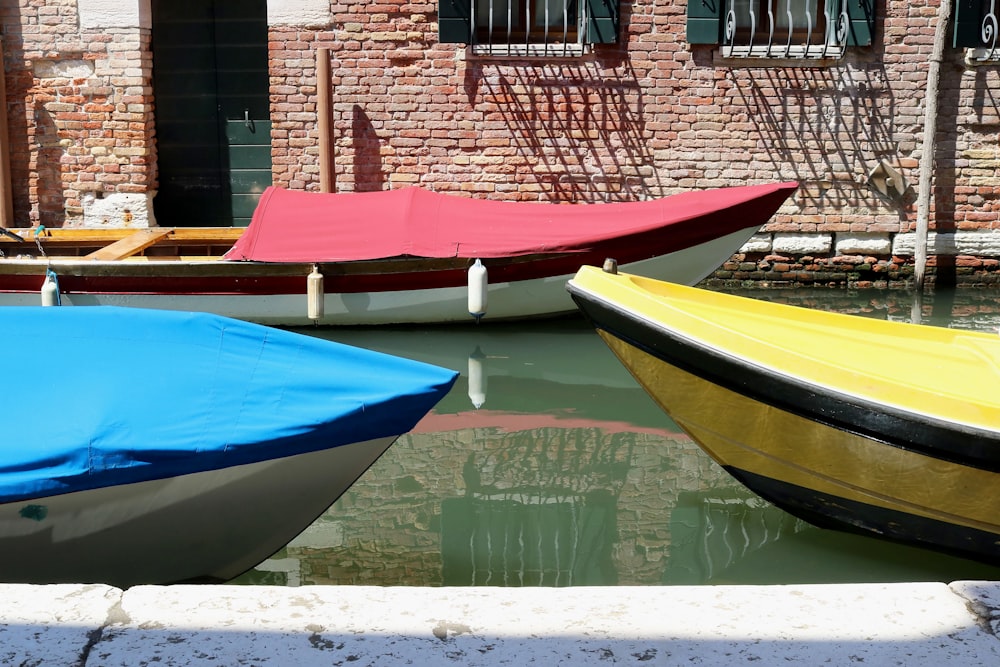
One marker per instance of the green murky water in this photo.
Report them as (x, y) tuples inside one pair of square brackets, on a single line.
[(547, 465)]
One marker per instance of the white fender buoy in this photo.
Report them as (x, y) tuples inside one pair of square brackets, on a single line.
[(315, 294), (477, 378), (50, 290), (478, 285)]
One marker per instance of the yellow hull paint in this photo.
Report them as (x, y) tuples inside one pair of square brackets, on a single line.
[(742, 433), (947, 374)]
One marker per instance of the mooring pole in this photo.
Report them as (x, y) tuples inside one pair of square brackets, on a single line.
[(327, 175), (930, 132)]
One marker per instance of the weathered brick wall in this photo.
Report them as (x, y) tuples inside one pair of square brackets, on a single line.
[(656, 115), (79, 116)]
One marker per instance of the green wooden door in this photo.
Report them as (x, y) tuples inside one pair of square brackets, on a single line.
[(213, 133)]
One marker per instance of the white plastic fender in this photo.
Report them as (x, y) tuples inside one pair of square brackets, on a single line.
[(478, 285), (314, 294), (50, 290)]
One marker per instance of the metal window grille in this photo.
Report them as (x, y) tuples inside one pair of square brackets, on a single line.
[(813, 29), (988, 52), (529, 27)]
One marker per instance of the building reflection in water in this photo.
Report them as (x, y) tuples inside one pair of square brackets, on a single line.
[(547, 465)]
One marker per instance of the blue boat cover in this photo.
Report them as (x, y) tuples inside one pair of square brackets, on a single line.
[(100, 396)]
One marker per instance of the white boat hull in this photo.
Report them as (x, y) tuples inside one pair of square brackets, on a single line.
[(206, 526), (535, 298)]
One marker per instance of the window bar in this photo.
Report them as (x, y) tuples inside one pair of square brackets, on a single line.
[(581, 24), (809, 27), (791, 28), (545, 32), (753, 25), (730, 26), (989, 31), (832, 21), (527, 25), (838, 25), (770, 28), (489, 27), (472, 12), (565, 38), (843, 28)]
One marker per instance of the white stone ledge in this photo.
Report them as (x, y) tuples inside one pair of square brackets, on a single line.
[(914, 624), (985, 243), (802, 244), (863, 244)]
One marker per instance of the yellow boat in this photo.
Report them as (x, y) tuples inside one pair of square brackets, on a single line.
[(885, 428)]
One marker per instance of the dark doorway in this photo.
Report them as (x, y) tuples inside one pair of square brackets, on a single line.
[(213, 128)]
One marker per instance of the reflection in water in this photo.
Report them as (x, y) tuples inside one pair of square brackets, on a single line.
[(547, 465), (527, 541), (713, 532), (976, 309)]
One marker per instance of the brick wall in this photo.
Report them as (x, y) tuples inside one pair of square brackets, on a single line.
[(79, 115)]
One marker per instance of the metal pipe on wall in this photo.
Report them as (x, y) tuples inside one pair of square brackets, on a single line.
[(327, 175)]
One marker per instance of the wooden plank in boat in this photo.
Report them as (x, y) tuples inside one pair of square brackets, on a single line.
[(86, 235), (130, 245)]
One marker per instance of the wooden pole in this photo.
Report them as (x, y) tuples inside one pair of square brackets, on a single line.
[(930, 132), (6, 196), (327, 174)]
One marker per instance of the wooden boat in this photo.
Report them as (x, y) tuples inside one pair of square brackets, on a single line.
[(158, 447), (401, 256), (885, 428)]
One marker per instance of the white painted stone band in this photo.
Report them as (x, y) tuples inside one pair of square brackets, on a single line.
[(98, 14)]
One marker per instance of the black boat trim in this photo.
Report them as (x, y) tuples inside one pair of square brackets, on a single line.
[(838, 513)]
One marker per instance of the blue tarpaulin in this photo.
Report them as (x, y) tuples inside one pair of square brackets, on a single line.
[(100, 396)]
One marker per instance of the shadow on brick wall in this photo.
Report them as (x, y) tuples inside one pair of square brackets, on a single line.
[(368, 174)]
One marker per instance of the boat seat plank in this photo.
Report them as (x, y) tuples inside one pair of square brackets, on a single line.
[(129, 245)]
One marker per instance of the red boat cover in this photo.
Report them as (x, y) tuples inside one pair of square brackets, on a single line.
[(296, 226)]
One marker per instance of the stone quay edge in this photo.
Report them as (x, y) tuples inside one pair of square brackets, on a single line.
[(82, 625)]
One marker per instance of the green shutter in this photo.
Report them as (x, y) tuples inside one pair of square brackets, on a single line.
[(602, 21), (968, 24), (862, 22), (455, 21), (704, 21)]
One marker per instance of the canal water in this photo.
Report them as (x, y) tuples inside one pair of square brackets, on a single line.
[(547, 465)]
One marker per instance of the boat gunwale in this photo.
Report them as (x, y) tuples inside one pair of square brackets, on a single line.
[(230, 276), (963, 444)]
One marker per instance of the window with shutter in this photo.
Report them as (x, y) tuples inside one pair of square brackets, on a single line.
[(975, 28), (779, 29), (545, 28)]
